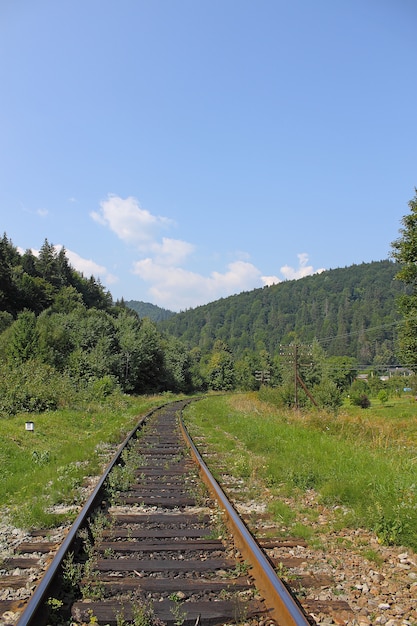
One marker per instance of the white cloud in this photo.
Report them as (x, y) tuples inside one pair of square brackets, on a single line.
[(172, 251), (88, 267), (303, 269), (267, 281), (178, 289), (162, 260), (42, 212), (129, 221)]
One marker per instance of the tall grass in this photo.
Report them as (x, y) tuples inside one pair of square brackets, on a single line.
[(48, 466), (362, 464)]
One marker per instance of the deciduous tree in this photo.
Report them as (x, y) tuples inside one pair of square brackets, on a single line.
[(404, 250)]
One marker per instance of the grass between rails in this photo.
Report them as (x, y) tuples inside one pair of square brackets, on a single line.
[(48, 466), (362, 464)]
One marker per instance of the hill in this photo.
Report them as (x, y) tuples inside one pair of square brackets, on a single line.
[(146, 309), (351, 311)]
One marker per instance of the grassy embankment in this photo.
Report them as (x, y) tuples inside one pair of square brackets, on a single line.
[(48, 466), (361, 464)]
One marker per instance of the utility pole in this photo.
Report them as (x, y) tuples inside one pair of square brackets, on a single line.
[(293, 356), (296, 376)]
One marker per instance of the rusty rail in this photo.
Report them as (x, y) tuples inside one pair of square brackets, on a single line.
[(283, 607)]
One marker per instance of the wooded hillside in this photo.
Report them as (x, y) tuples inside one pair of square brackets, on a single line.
[(62, 338), (351, 311), (146, 309)]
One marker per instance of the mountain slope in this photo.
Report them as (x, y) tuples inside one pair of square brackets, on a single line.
[(152, 311), (351, 311)]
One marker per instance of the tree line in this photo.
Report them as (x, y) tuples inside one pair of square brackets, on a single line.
[(62, 335), (63, 339), (350, 311)]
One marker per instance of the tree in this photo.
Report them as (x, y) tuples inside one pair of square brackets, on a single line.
[(404, 250), (24, 339), (47, 264), (7, 288), (176, 365), (342, 370), (220, 373), (328, 394)]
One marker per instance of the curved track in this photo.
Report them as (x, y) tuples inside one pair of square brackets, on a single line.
[(152, 545)]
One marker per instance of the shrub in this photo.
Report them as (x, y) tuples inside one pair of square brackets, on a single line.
[(383, 396), (102, 387), (32, 387), (363, 401), (328, 395)]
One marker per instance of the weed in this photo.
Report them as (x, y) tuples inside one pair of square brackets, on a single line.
[(281, 511), (98, 524), (389, 531), (55, 605), (302, 531), (199, 492), (71, 573), (241, 569), (41, 458), (123, 475), (219, 527), (372, 555), (93, 589), (284, 573), (177, 610)]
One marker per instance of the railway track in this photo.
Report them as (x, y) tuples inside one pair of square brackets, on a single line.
[(154, 546)]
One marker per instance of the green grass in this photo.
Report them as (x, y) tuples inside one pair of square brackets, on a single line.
[(362, 463), (48, 466)]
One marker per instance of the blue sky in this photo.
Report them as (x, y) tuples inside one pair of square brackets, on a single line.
[(186, 150)]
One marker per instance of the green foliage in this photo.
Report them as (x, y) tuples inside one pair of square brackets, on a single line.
[(358, 394), (177, 365), (328, 395), (143, 615), (369, 480), (23, 342), (96, 349), (100, 388), (55, 316), (383, 396), (350, 311), (404, 251), (145, 309), (36, 283), (32, 387), (48, 466), (220, 374), (123, 474)]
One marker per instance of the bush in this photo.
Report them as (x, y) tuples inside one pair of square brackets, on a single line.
[(383, 396), (100, 388), (328, 395), (358, 394), (32, 387), (361, 400)]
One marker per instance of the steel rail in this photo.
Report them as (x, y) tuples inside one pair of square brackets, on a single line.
[(283, 608), (35, 612)]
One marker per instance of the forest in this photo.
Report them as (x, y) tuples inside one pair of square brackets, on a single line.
[(63, 338), (350, 311)]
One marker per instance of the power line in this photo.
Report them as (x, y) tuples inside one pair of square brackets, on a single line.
[(359, 332)]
